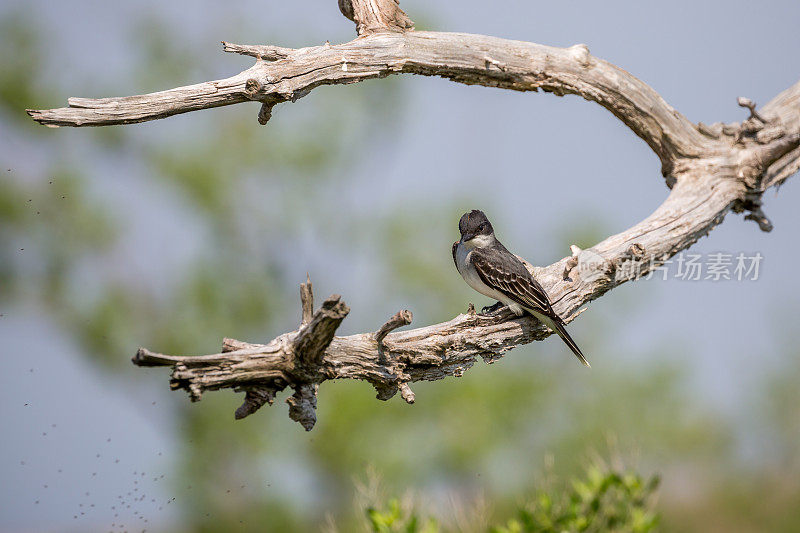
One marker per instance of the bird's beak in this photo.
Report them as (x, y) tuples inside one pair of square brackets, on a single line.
[(467, 237)]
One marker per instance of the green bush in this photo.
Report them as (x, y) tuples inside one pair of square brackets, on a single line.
[(600, 500)]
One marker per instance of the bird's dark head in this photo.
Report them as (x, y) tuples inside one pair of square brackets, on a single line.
[(475, 225)]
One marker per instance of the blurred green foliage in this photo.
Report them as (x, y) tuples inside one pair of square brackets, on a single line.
[(20, 84), (601, 499), (248, 197), (604, 500), (394, 519)]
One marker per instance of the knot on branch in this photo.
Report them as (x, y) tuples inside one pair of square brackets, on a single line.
[(581, 54), (635, 251), (252, 88), (255, 90)]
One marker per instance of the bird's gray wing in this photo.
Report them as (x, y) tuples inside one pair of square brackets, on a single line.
[(500, 270)]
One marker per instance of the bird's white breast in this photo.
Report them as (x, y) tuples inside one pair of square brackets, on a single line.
[(470, 275)]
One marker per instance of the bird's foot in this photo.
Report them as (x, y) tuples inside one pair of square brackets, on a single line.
[(492, 309)]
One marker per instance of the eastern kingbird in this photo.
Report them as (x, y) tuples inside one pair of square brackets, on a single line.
[(489, 268)]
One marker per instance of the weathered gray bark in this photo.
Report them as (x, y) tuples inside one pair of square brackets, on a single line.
[(711, 169)]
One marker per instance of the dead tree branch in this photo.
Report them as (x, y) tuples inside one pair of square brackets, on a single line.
[(373, 16), (711, 169)]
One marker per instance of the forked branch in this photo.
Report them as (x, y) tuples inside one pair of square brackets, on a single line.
[(711, 169), (699, 200)]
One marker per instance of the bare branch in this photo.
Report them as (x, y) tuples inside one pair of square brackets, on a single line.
[(704, 189), (464, 58), (702, 195), (133, 109), (710, 169)]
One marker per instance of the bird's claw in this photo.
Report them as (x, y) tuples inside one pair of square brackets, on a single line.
[(492, 309)]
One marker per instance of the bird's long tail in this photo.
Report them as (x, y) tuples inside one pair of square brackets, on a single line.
[(558, 326)]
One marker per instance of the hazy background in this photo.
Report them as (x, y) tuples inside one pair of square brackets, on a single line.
[(176, 233)]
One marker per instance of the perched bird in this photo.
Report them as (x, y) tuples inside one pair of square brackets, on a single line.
[(489, 268)]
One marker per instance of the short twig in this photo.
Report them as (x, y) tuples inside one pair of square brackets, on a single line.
[(307, 300), (749, 104), (398, 320), (264, 52), (406, 393)]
